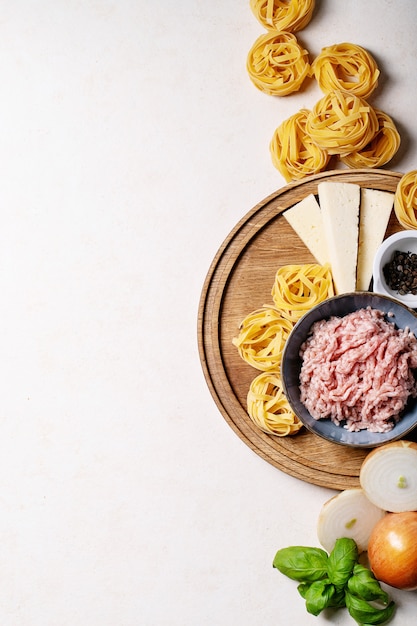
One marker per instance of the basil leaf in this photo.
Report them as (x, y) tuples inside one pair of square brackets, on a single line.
[(301, 563), (338, 599), (342, 560), (319, 596), (364, 613), (364, 585), (303, 588)]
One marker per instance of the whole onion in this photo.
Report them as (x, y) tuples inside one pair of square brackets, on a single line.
[(392, 550)]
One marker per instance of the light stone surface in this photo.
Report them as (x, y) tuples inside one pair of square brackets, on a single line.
[(131, 143)]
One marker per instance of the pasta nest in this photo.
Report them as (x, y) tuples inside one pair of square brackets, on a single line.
[(347, 67), (289, 15), (382, 147), (297, 288), (292, 150), (277, 64), (405, 200), (268, 407), (261, 339), (341, 123)]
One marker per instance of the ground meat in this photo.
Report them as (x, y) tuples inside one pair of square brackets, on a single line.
[(357, 370)]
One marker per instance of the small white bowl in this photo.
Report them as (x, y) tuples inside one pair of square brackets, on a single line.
[(405, 241)]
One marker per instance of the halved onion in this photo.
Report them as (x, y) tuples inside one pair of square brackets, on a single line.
[(348, 514), (388, 476)]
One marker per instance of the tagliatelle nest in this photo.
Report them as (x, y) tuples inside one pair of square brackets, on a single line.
[(289, 15), (268, 407), (297, 288), (293, 152), (261, 339), (405, 200), (342, 123), (347, 67), (382, 147), (277, 64)]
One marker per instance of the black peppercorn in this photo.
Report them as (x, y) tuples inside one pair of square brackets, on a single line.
[(400, 273)]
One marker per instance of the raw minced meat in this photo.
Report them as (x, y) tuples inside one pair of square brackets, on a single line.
[(358, 370)]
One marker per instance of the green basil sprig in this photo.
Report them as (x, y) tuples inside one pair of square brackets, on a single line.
[(336, 580)]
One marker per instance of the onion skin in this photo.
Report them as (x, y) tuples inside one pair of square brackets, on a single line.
[(392, 550)]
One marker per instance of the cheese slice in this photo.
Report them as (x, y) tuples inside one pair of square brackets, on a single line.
[(375, 211), (305, 218), (339, 203)]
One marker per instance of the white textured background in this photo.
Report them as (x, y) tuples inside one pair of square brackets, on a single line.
[(131, 142)]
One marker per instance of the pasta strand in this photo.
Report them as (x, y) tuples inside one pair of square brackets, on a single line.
[(277, 64), (292, 150), (261, 339), (405, 200), (382, 147), (297, 288), (342, 123), (289, 15), (347, 67), (269, 408)]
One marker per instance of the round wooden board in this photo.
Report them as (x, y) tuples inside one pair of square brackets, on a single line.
[(239, 281)]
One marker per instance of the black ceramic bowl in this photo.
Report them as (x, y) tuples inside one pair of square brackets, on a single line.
[(339, 306)]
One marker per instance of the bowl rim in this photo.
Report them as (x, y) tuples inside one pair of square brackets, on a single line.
[(360, 439)]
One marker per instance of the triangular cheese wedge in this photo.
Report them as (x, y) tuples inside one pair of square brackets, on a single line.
[(305, 218), (339, 203), (375, 211)]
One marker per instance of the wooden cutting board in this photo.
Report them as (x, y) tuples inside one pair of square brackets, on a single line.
[(239, 281)]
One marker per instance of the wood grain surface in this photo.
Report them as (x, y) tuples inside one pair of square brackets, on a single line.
[(239, 281)]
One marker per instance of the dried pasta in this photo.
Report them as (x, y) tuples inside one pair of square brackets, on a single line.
[(341, 123), (405, 200), (293, 152), (289, 15), (268, 407), (277, 64), (297, 288), (347, 67), (261, 339), (382, 147)]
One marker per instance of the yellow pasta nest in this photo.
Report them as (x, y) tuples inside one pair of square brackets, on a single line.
[(269, 408), (341, 123), (347, 67), (277, 64), (293, 152), (405, 200), (382, 147), (289, 15), (261, 339), (297, 288)]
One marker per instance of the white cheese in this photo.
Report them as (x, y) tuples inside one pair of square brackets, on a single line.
[(305, 218), (375, 211), (339, 203)]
